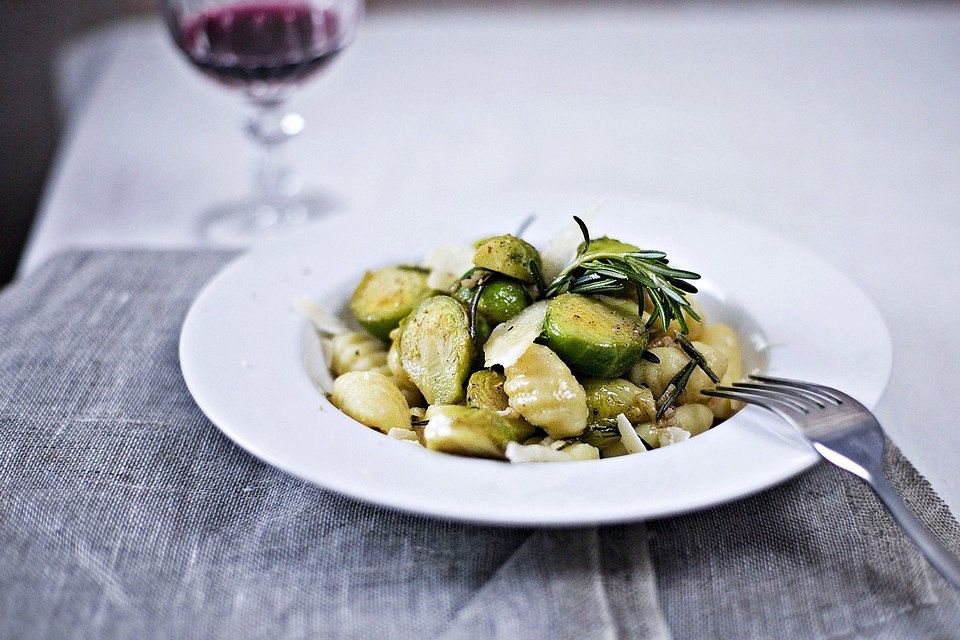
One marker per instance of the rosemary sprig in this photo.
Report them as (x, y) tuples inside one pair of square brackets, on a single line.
[(525, 224), (474, 303), (599, 434), (648, 271), (649, 356), (697, 357), (537, 277), (414, 267), (675, 387)]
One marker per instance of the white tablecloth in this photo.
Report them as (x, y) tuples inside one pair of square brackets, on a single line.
[(839, 127)]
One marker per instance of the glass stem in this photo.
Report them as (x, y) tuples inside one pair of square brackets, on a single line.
[(270, 127)]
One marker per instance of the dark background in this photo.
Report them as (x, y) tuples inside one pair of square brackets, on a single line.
[(30, 33)]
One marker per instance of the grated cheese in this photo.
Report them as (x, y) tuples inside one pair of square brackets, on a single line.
[(447, 263)]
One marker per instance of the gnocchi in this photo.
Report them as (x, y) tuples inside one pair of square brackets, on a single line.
[(371, 398), (354, 351), (594, 349), (543, 390)]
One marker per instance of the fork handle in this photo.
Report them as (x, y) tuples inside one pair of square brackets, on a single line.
[(938, 555)]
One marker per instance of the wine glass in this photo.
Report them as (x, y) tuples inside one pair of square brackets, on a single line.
[(264, 49)]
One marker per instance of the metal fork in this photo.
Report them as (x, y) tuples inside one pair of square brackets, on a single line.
[(845, 433)]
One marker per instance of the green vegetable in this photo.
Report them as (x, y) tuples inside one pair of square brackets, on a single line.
[(595, 270), (384, 297), (500, 298), (470, 431), (602, 434), (436, 349), (592, 336), (485, 390), (508, 255), (608, 398), (481, 333), (606, 244)]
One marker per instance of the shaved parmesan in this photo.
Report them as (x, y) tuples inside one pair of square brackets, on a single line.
[(447, 263), (672, 435), (319, 316), (628, 437), (517, 452), (561, 249), (510, 339)]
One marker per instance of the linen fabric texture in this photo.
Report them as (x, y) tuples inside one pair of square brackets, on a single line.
[(124, 513)]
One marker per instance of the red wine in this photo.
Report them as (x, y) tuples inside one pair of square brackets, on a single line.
[(252, 43)]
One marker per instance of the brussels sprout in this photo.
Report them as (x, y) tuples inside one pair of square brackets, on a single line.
[(500, 299), (470, 431), (592, 336), (605, 244), (626, 305), (485, 390), (436, 350), (508, 255), (608, 398), (384, 297), (601, 434), (615, 450), (482, 331)]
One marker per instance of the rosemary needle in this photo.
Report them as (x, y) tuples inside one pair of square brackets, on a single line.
[(697, 357), (676, 386)]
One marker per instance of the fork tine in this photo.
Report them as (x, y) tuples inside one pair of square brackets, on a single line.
[(791, 392), (748, 395), (824, 392)]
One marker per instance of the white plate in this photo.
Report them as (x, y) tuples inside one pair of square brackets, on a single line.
[(243, 352)]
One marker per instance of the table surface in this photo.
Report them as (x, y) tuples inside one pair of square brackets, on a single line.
[(838, 127)]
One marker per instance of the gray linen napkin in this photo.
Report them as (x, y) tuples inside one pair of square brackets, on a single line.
[(125, 514)]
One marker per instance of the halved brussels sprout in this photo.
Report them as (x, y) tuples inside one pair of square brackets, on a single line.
[(592, 336), (601, 434), (608, 398), (384, 297), (500, 299), (508, 255), (471, 431), (606, 244), (436, 349), (485, 390)]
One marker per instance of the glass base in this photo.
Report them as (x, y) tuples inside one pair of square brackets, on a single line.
[(241, 222)]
